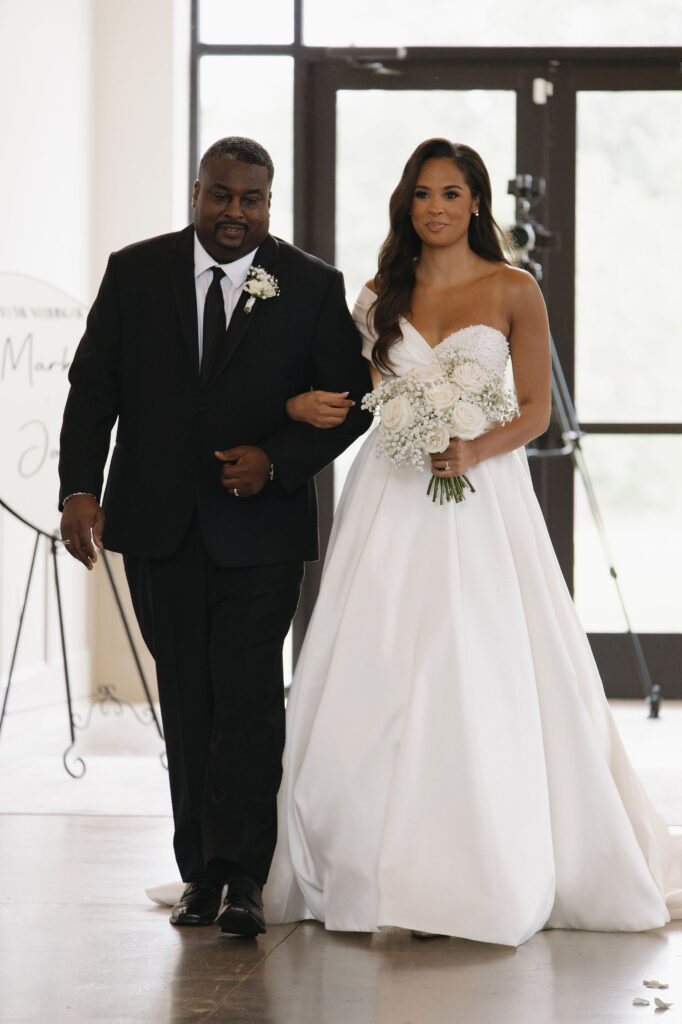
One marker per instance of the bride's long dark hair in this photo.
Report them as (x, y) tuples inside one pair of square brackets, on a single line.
[(395, 278)]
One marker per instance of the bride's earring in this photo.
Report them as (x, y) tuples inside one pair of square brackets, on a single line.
[(475, 213)]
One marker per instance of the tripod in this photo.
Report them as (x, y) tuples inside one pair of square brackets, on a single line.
[(528, 236), (564, 411)]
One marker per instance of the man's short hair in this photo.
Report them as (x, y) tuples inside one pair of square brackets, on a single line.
[(238, 148)]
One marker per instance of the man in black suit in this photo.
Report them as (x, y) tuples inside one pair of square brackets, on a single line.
[(194, 343)]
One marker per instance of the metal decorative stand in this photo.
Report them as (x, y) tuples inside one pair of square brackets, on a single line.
[(77, 769)]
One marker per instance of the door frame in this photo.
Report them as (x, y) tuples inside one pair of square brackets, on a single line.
[(546, 146)]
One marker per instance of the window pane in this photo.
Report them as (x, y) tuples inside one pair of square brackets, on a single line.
[(638, 480), (493, 23), (376, 130), (628, 257), (233, 21), (267, 83)]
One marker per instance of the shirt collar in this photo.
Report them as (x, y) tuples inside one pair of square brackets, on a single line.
[(237, 271)]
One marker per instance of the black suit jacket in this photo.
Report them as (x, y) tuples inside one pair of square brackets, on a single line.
[(138, 362)]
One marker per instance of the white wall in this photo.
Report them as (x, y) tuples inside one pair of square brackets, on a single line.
[(94, 129), (45, 202), (140, 90), (45, 197)]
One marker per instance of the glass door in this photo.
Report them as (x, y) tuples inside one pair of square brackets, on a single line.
[(601, 130), (376, 130), (364, 118), (628, 364)]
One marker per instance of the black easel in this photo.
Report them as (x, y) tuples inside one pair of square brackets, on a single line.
[(79, 767)]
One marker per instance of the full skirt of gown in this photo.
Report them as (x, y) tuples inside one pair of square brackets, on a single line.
[(451, 764)]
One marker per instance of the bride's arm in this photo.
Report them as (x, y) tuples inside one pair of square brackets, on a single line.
[(319, 408), (532, 364), (327, 408), (369, 339), (324, 408)]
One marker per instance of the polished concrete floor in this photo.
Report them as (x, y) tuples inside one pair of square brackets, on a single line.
[(80, 943)]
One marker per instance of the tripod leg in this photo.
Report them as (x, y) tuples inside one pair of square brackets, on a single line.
[(19, 628), (79, 760), (129, 635), (571, 435), (645, 679)]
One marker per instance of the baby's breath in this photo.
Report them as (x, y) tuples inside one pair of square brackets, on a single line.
[(403, 440)]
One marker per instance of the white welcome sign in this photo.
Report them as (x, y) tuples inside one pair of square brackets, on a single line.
[(40, 327)]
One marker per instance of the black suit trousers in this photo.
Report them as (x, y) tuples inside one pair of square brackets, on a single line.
[(216, 634)]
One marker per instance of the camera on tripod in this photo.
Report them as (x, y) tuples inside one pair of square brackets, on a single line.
[(527, 234)]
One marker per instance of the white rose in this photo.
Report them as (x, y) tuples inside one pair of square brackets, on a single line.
[(432, 371), (469, 376), (261, 289), (437, 440), (468, 421), (261, 284), (397, 413), (442, 396)]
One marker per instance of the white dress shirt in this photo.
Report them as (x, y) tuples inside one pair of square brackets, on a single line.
[(232, 284)]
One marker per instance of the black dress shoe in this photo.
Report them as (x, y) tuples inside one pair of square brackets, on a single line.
[(198, 904), (241, 908)]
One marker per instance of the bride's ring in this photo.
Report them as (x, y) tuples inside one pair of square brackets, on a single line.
[(235, 492), (446, 467)]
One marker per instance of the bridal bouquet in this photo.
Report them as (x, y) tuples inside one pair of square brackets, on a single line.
[(453, 396)]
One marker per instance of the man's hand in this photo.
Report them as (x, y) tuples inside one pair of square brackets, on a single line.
[(245, 470), (82, 523), (319, 408)]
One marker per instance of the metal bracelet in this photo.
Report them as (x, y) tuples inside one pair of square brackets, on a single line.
[(78, 494)]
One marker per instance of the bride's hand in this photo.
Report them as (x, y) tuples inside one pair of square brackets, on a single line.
[(456, 460), (319, 408)]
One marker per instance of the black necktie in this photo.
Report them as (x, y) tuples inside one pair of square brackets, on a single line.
[(215, 325)]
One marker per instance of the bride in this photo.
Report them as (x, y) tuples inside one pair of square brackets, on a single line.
[(452, 765)]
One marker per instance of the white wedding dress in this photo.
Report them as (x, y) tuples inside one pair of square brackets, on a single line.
[(451, 764)]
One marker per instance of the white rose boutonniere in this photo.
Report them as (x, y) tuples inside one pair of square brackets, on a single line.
[(259, 285)]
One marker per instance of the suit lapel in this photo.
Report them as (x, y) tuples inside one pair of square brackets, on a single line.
[(182, 275), (240, 321)]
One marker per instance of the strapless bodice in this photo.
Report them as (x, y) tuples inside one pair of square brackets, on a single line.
[(486, 344)]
